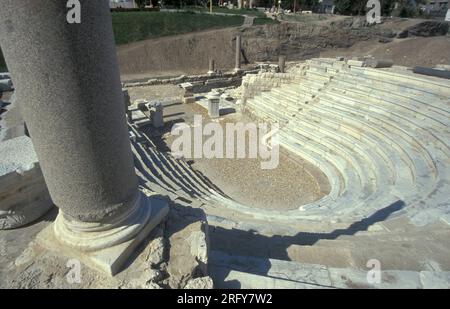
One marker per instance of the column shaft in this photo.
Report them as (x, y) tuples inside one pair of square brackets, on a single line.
[(211, 65), (68, 82), (282, 63), (238, 52)]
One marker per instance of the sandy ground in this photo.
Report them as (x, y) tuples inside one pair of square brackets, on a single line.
[(154, 92), (291, 184), (288, 186)]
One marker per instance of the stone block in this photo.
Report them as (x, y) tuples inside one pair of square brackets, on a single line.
[(24, 196), (435, 280), (204, 283), (189, 243), (355, 63), (156, 110), (189, 100), (6, 85), (108, 259), (379, 63), (214, 105)]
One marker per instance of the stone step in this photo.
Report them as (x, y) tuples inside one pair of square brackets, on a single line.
[(381, 95), (166, 184), (185, 170), (402, 126), (181, 174), (415, 80), (383, 148), (318, 76), (267, 109), (426, 188), (390, 104), (381, 172), (260, 273), (146, 168), (353, 185), (394, 162), (257, 108), (166, 174), (324, 66), (366, 176), (280, 103), (429, 126), (419, 161), (434, 101), (292, 95), (351, 196), (417, 155)]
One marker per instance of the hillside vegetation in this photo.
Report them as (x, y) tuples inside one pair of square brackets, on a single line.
[(137, 26)]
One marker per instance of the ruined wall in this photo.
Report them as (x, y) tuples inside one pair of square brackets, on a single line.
[(254, 84)]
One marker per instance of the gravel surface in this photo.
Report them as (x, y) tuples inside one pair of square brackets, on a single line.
[(292, 184)]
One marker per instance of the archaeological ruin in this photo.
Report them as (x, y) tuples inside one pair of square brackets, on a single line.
[(91, 184)]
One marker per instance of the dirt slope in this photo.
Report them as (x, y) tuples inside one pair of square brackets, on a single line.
[(189, 53), (408, 52)]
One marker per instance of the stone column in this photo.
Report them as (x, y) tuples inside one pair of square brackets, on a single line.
[(214, 105), (188, 93), (156, 110), (212, 68), (127, 104), (237, 67), (68, 82), (379, 63), (282, 63)]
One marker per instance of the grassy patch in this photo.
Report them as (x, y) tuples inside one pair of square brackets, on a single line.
[(218, 9), (136, 26), (264, 21), (303, 17)]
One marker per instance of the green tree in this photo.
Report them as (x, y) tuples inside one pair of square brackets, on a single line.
[(387, 6), (141, 3), (343, 7), (301, 4), (405, 8)]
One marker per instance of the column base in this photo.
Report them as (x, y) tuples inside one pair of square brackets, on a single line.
[(106, 251), (238, 70), (211, 73)]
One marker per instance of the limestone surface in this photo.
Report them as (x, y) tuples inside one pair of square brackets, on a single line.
[(23, 193)]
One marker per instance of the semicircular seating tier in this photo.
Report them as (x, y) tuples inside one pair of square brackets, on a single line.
[(381, 136)]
